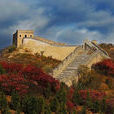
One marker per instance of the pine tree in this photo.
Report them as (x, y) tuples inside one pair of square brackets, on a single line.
[(96, 106), (89, 102), (3, 104), (2, 71), (15, 101), (47, 91), (18, 110), (76, 97), (6, 111), (103, 105), (61, 96), (54, 105), (31, 104), (47, 109), (62, 109), (74, 112), (83, 110), (41, 105)]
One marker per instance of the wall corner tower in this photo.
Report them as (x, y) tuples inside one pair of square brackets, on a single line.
[(19, 35)]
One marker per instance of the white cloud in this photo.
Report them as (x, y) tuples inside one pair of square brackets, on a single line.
[(51, 15), (34, 19), (99, 19), (34, 22), (12, 9), (73, 35)]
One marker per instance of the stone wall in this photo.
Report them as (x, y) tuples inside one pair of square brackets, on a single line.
[(67, 71), (66, 61), (49, 41), (94, 58), (56, 51)]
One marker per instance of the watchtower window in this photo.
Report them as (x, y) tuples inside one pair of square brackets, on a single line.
[(20, 35), (25, 36)]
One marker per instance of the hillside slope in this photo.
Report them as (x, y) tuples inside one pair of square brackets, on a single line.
[(109, 48), (24, 86)]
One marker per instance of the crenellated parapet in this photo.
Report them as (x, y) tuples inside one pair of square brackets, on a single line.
[(19, 35)]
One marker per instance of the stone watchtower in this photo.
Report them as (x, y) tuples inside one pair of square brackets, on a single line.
[(19, 35)]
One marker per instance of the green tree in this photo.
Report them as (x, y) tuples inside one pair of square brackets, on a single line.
[(3, 104), (15, 101), (96, 106), (41, 105), (76, 97), (47, 109), (74, 112), (103, 105), (18, 110), (11, 48), (61, 96), (83, 110), (89, 102), (47, 91), (2, 71), (54, 105), (6, 111), (62, 109), (31, 105)]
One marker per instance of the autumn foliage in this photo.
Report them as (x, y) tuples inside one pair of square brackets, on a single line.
[(105, 67), (19, 78), (93, 94), (70, 105), (23, 78), (13, 83)]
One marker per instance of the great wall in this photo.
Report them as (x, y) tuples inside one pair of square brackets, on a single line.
[(72, 56)]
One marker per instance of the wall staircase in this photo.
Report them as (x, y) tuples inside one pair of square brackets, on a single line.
[(70, 72), (67, 70)]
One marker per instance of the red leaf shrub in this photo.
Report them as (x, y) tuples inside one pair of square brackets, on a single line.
[(11, 67), (106, 67), (36, 74), (93, 94), (70, 93), (13, 82), (70, 105), (30, 71), (110, 104), (44, 79), (20, 75)]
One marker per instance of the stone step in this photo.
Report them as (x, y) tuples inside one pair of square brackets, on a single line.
[(68, 71), (71, 69), (67, 74), (64, 75), (74, 64)]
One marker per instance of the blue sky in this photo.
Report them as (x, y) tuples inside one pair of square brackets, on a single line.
[(69, 21)]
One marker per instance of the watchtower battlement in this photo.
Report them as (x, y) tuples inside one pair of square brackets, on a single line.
[(19, 35)]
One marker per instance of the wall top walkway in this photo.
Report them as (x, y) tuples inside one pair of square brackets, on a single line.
[(52, 43)]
